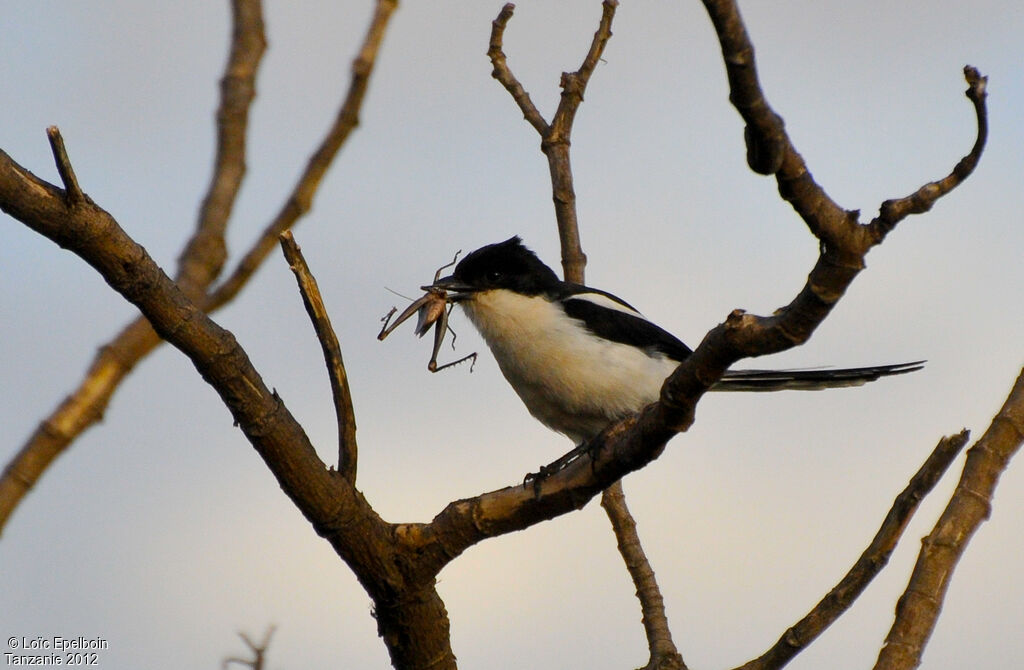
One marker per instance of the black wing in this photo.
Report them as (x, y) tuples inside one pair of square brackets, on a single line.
[(625, 327)]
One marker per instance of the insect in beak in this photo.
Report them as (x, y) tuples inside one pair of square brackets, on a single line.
[(432, 309)]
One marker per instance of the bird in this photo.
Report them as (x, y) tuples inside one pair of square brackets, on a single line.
[(581, 358)]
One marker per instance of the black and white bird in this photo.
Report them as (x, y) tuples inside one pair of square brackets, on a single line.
[(579, 357)]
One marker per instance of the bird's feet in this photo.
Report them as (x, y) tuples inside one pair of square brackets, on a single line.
[(545, 471)]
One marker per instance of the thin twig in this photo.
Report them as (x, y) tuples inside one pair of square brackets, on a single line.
[(971, 504), (347, 449), (893, 211), (72, 191), (555, 137), (203, 256), (575, 83), (504, 75), (258, 650), (870, 563), (664, 655), (301, 198)]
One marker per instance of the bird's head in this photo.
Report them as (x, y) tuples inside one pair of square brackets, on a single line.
[(505, 265)]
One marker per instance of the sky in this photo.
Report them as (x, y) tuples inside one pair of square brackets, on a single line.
[(162, 532)]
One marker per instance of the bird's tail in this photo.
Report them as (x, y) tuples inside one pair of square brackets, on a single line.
[(811, 379)]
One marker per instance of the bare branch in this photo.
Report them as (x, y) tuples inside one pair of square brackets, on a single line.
[(765, 135), (347, 449), (622, 448), (403, 599), (555, 137), (575, 83), (870, 563), (258, 650), (769, 150), (200, 262), (633, 442), (86, 404), (202, 258), (504, 75), (301, 198), (67, 173), (664, 655), (893, 211), (918, 608), (81, 409)]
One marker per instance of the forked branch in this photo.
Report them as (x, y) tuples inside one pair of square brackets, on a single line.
[(300, 200), (202, 260), (199, 263), (336, 510), (555, 136), (257, 649)]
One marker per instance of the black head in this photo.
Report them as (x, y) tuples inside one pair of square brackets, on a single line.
[(505, 265)]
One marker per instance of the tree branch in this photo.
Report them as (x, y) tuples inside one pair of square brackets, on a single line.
[(347, 449), (555, 137), (410, 614), (664, 654), (504, 75), (971, 504), (258, 651), (870, 563), (202, 258), (200, 262), (893, 211), (300, 201), (115, 359), (634, 441)]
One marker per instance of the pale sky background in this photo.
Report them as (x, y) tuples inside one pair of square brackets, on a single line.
[(163, 532)]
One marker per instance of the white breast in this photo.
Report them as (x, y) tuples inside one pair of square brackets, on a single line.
[(569, 379)]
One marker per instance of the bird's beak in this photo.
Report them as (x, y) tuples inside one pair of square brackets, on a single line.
[(457, 290)]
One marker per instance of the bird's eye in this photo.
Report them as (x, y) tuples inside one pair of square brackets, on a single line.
[(493, 276)]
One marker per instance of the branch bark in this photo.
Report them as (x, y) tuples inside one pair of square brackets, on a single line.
[(199, 263), (347, 450), (555, 136), (85, 406), (919, 606), (300, 200), (203, 256), (870, 563), (664, 654), (410, 614)]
